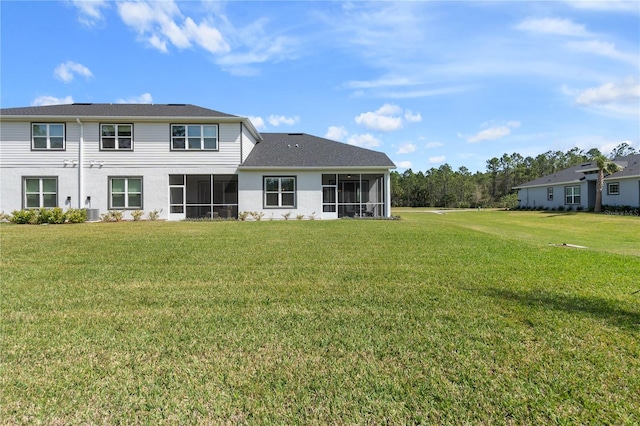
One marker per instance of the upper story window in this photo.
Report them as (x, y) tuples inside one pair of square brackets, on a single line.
[(116, 137), (194, 137), (613, 188), (49, 136)]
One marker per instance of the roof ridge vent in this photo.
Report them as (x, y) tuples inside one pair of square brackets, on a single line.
[(295, 134), (82, 103), (176, 104)]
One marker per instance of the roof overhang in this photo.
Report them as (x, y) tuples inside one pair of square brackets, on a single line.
[(315, 168), (546, 185)]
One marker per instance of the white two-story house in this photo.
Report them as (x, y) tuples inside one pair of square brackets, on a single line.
[(183, 161)]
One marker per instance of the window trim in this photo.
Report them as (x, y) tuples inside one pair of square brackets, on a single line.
[(550, 193), (102, 148), (186, 137), (48, 148), (126, 198), (280, 192), (609, 191), (572, 195), (40, 192)]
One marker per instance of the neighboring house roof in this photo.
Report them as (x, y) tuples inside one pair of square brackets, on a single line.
[(630, 168), (300, 150), (114, 110)]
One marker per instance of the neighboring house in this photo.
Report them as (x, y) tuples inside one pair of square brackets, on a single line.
[(183, 161), (575, 187)]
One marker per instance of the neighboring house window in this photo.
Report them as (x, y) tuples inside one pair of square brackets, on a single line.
[(40, 192), (613, 188), (47, 136), (116, 136), (572, 194), (125, 193), (549, 194), (194, 137), (280, 191)]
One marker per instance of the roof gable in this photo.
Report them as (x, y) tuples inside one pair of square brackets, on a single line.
[(300, 150)]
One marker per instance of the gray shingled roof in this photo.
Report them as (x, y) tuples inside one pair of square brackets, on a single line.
[(115, 110), (294, 150), (631, 164)]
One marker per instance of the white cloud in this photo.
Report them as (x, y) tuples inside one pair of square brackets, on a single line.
[(604, 49), (434, 145), (403, 164), (411, 117), (606, 6), (258, 122), (66, 71), (626, 91), (161, 23), (492, 133), (276, 120), (51, 100), (387, 118), (89, 11), (406, 148), (336, 133), (145, 98), (437, 160), (553, 26), (366, 141)]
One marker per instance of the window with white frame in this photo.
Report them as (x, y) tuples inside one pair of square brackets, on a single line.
[(40, 192), (613, 188), (125, 193), (279, 191), (572, 194), (47, 136), (550, 194), (116, 137), (202, 137)]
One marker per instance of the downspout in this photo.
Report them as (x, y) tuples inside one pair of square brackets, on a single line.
[(80, 165), (387, 195)]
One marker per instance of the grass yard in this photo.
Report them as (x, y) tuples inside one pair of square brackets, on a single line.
[(466, 317)]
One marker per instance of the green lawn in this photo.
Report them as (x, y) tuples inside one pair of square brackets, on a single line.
[(466, 317)]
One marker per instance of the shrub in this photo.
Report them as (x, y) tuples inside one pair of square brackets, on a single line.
[(57, 216), (153, 215), (136, 215), (22, 216), (312, 216), (243, 215), (257, 215), (299, 216), (560, 208), (76, 215), (286, 215)]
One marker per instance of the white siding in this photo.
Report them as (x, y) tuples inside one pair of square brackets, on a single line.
[(248, 142)]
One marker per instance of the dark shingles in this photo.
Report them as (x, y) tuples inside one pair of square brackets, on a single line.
[(303, 150), (115, 110), (630, 164)]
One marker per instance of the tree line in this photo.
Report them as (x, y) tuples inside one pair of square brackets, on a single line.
[(448, 188)]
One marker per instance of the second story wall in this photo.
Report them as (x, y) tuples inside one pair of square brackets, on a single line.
[(151, 145)]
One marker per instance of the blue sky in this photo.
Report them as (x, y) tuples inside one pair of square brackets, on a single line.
[(426, 82)]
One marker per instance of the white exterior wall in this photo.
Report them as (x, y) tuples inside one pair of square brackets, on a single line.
[(151, 159), (629, 193), (308, 193)]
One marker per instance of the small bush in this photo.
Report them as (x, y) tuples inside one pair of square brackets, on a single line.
[(243, 215), (286, 215), (136, 215), (257, 215), (299, 216), (57, 216), (76, 215), (312, 216), (22, 216), (153, 215)]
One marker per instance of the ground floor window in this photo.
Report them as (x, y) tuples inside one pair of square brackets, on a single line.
[(40, 192), (613, 188), (550, 194), (572, 194), (125, 193), (203, 196), (279, 191)]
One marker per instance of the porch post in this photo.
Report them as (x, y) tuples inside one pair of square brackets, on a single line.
[(387, 194)]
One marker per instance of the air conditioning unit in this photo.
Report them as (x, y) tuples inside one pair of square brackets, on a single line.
[(93, 215)]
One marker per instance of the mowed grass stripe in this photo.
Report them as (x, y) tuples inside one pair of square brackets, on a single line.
[(420, 320)]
